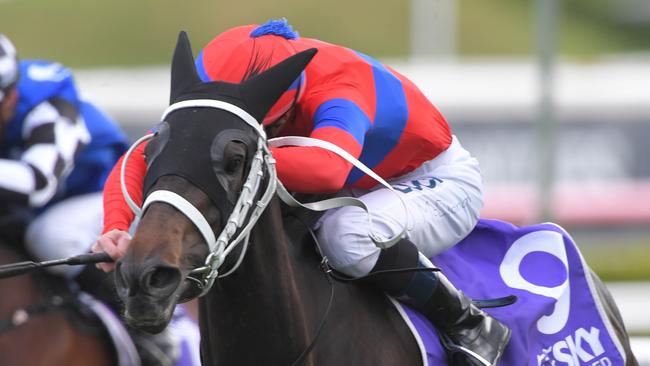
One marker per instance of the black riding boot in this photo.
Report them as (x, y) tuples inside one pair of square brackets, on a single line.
[(160, 349), (470, 336)]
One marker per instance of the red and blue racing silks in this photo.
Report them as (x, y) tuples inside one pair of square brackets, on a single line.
[(343, 97), (346, 98)]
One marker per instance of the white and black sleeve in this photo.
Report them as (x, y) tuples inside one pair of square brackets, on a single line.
[(53, 133)]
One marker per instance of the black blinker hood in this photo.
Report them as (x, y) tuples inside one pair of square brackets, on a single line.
[(188, 144)]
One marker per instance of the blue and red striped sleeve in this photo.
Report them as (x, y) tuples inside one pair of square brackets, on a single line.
[(343, 121)]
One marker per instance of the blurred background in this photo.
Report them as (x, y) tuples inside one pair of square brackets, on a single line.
[(552, 96)]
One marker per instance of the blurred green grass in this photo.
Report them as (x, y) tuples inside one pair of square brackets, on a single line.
[(586, 28), (623, 260), (122, 32)]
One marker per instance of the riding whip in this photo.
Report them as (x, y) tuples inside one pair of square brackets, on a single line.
[(15, 269)]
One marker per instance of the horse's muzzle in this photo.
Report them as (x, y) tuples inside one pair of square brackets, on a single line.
[(148, 293)]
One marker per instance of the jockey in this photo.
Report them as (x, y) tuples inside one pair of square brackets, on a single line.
[(56, 151), (380, 117)]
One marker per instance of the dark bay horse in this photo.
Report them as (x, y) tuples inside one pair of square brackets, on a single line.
[(270, 309), (39, 326)]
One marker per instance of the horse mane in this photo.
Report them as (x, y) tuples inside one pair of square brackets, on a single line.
[(257, 63)]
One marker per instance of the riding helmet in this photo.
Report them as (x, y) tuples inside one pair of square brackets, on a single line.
[(243, 52)]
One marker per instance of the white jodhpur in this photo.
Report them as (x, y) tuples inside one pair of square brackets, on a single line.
[(68, 228), (443, 199)]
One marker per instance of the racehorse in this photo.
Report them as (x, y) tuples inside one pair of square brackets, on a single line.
[(41, 323), (208, 166)]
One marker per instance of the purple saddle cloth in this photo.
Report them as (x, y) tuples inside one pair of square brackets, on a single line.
[(558, 320)]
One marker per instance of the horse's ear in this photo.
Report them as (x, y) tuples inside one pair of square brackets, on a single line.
[(263, 90), (184, 73)]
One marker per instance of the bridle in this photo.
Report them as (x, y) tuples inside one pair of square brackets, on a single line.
[(243, 219), (220, 247)]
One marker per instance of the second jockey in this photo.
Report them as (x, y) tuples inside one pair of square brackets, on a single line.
[(56, 151), (380, 117)]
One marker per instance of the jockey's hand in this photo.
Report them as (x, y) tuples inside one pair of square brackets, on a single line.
[(115, 243)]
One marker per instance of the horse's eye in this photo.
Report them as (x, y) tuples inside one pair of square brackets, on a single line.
[(233, 164)]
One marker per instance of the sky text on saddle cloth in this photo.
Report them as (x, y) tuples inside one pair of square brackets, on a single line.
[(559, 318)]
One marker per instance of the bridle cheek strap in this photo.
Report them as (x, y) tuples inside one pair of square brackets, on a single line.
[(336, 202), (217, 104), (226, 242), (191, 212)]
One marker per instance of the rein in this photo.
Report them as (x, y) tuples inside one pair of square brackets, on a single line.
[(331, 275), (204, 277), (263, 164)]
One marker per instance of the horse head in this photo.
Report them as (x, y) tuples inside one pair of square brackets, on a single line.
[(206, 163)]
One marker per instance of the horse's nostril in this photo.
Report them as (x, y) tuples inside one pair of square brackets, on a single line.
[(162, 278), (119, 276), (123, 286)]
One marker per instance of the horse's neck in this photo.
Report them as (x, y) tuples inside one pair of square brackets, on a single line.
[(269, 311), (266, 301)]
